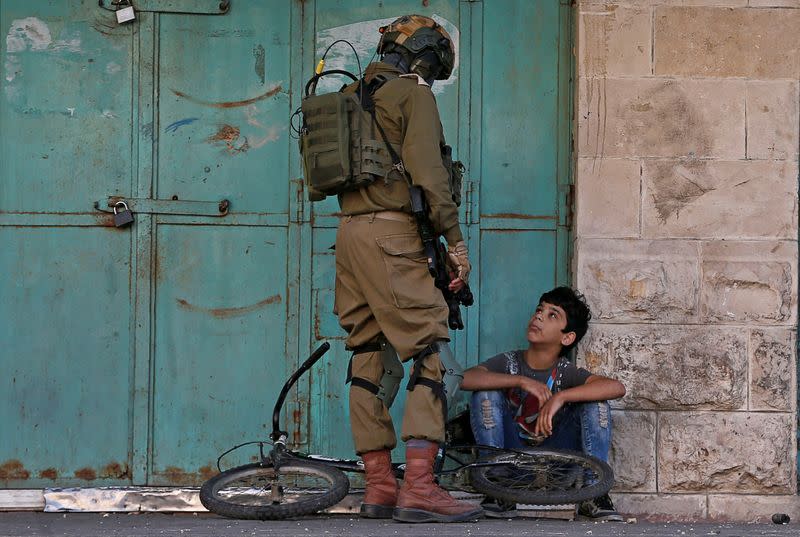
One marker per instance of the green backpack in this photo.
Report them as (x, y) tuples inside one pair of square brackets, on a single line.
[(339, 143)]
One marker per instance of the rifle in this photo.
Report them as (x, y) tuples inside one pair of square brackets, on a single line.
[(436, 253)]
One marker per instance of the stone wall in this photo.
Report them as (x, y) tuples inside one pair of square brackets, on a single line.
[(686, 176)]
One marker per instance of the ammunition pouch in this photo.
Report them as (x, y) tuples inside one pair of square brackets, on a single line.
[(455, 173)]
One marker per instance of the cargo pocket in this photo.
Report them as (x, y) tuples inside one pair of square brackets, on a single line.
[(410, 282)]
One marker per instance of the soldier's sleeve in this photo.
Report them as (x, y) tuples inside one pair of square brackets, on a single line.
[(422, 158)]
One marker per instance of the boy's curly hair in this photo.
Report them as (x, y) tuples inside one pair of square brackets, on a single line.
[(574, 305)]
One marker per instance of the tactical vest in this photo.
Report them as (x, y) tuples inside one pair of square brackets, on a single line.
[(343, 148)]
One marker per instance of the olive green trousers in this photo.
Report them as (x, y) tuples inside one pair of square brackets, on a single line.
[(384, 290)]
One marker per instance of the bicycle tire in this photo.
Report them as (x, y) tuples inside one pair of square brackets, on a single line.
[(258, 492), (543, 477)]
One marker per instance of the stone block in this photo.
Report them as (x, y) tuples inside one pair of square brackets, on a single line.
[(734, 452), (719, 199), (609, 197), (772, 370), (635, 280), (725, 42), (749, 282), (671, 367), (633, 451), (772, 119), (747, 508), (647, 117), (649, 3), (774, 3), (662, 507), (614, 40)]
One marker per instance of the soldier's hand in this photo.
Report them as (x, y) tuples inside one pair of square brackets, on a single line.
[(457, 257)]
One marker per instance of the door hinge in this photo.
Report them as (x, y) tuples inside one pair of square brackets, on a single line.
[(468, 200), (299, 199), (567, 211)]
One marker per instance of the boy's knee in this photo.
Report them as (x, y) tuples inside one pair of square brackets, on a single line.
[(598, 412), (488, 406)]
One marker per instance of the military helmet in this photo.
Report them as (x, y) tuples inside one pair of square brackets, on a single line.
[(416, 34)]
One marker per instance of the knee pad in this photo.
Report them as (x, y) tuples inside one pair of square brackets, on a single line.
[(389, 384), (452, 373)]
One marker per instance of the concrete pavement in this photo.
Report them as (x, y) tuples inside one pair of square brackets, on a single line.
[(207, 525)]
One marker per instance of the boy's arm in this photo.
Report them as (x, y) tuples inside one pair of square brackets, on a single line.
[(596, 388), (479, 378)]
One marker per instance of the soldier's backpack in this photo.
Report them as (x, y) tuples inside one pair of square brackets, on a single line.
[(343, 147), (338, 142)]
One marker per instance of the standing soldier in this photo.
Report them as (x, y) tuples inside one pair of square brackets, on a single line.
[(385, 298)]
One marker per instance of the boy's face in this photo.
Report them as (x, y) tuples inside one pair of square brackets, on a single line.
[(546, 325)]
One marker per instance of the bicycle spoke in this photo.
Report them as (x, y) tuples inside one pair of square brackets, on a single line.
[(270, 487), (525, 473)]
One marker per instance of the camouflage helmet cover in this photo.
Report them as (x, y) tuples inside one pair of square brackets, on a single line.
[(416, 33)]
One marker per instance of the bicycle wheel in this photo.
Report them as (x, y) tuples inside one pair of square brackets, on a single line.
[(259, 492), (543, 477)]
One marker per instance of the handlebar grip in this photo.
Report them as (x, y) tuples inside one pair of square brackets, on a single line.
[(316, 355)]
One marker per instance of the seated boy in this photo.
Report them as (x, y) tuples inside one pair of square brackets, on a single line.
[(536, 397)]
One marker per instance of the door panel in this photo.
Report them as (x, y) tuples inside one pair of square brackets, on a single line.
[(66, 107), (514, 275), (66, 370), (221, 288), (524, 125), (65, 316), (520, 111), (220, 334), (223, 84)]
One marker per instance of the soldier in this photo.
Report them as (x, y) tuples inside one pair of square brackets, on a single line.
[(385, 297)]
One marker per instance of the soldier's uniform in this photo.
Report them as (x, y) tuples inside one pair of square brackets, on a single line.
[(384, 293), (383, 288)]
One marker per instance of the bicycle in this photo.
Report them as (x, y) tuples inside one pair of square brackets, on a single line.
[(286, 483)]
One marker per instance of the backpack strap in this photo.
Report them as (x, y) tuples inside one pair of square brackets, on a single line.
[(368, 104)]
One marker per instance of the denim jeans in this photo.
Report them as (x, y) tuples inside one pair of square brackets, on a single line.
[(582, 427)]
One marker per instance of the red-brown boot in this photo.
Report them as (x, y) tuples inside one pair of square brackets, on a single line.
[(422, 500), (380, 496)]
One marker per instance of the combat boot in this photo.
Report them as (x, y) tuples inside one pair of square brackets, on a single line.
[(422, 500), (380, 496)]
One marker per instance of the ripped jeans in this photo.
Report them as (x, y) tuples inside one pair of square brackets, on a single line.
[(582, 427)]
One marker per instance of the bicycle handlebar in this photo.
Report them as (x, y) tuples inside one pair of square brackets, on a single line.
[(276, 412)]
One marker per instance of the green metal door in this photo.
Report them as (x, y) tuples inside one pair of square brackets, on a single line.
[(136, 355)]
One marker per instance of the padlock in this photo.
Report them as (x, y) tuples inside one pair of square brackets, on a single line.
[(124, 217), (124, 14)]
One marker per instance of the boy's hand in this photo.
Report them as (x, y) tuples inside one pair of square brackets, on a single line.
[(540, 391), (544, 423)]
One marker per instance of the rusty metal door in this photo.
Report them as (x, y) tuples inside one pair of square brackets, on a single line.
[(136, 355), (220, 286), (66, 320)]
